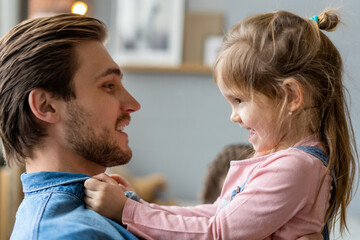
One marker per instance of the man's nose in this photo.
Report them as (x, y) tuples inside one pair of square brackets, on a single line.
[(128, 103)]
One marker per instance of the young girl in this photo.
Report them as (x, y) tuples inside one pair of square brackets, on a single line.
[(283, 78)]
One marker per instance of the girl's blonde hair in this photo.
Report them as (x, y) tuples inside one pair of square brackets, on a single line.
[(262, 51)]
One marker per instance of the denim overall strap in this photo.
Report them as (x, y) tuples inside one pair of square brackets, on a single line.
[(239, 189), (316, 152)]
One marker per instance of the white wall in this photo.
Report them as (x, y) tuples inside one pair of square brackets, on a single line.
[(9, 15)]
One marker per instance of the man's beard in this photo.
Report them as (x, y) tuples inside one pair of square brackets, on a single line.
[(101, 148)]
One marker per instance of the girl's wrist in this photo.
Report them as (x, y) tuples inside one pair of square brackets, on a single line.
[(119, 212), (132, 195)]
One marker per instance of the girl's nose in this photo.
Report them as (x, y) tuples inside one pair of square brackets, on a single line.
[(235, 117)]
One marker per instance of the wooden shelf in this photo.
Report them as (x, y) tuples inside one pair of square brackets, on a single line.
[(182, 69)]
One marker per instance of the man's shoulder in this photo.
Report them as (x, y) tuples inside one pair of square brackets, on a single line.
[(60, 215)]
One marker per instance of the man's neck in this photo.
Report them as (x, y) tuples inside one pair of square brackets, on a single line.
[(57, 159)]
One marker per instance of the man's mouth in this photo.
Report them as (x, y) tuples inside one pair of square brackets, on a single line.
[(121, 126), (122, 122)]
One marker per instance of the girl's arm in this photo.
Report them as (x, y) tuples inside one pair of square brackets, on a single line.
[(102, 197), (273, 196), (203, 210), (271, 200)]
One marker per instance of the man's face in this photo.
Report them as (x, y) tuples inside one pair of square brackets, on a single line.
[(101, 110)]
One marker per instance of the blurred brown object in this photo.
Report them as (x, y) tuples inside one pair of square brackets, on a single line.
[(219, 167), (11, 196), (198, 26)]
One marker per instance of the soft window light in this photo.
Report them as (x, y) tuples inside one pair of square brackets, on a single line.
[(79, 8)]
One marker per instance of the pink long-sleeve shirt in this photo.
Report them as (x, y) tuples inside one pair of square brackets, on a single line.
[(278, 200)]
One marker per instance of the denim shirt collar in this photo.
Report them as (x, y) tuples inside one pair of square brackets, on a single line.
[(38, 181)]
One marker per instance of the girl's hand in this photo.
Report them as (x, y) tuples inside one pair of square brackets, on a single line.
[(125, 185), (105, 196)]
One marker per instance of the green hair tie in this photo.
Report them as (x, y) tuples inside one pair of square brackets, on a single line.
[(315, 18)]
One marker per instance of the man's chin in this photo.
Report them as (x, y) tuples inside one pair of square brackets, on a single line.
[(122, 159)]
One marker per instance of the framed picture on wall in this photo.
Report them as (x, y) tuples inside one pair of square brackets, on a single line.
[(149, 32)]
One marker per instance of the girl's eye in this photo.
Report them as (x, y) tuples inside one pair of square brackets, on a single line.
[(238, 100)]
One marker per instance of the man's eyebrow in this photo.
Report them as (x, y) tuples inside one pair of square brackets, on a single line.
[(110, 71)]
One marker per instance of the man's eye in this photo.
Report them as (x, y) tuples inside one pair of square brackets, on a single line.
[(109, 86)]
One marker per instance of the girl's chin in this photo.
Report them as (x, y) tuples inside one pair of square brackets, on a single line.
[(261, 152)]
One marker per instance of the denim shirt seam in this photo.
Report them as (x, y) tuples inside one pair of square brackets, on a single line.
[(69, 193), (41, 214), (50, 191)]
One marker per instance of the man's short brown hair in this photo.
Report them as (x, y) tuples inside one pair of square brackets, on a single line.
[(38, 53)]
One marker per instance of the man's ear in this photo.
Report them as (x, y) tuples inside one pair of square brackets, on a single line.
[(295, 94), (43, 105)]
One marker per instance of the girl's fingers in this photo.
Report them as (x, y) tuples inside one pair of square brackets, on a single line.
[(87, 201), (119, 179), (92, 183), (123, 183), (105, 178), (91, 204), (98, 181), (90, 194), (124, 189)]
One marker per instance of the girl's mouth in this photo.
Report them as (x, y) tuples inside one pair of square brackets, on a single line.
[(252, 133)]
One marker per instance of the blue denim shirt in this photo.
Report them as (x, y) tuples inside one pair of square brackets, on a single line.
[(54, 208)]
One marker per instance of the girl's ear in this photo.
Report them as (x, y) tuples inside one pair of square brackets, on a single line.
[(295, 94), (43, 105)]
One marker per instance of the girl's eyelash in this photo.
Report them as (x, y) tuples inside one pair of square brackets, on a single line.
[(238, 100), (109, 85)]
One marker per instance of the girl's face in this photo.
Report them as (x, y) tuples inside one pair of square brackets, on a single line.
[(259, 117)]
